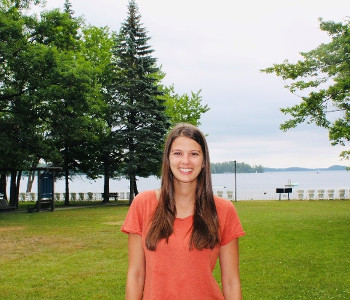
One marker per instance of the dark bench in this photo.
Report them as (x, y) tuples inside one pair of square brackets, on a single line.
[(282, 191), (43, 204), (4, 205), (115, 196)]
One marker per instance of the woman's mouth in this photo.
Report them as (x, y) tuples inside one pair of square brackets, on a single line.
[(185, 171)]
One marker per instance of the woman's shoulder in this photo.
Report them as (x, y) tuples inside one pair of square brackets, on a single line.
[(140, 211), (223, 206), (230, 223), (146, 198), (222, 203), (147, 194)]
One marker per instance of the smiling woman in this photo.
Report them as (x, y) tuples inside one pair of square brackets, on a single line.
[(176, 232)]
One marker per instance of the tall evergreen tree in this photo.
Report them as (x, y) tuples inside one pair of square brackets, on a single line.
[(143, 120)]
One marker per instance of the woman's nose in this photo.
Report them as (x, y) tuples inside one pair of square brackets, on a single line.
[(185, 158)]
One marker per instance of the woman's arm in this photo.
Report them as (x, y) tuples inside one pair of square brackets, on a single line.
[(229, 264), (136, 270)]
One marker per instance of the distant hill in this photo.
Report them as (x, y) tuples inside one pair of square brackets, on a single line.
[(332, 168)]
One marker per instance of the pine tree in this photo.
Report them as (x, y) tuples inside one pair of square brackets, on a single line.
[(138, 91)]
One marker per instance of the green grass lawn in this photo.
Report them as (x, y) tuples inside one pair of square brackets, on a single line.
[(292, 250)]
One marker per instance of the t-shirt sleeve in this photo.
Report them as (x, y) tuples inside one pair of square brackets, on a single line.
[(133, 222), (231, 225)]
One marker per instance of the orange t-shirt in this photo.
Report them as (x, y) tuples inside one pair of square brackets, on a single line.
[(172, 270)]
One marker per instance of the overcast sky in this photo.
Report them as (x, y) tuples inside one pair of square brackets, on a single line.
[(219, 47)]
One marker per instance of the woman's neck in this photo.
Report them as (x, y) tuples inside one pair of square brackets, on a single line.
[(185, 195)]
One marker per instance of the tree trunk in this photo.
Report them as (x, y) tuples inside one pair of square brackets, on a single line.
[(106, 183), (19, 177), (66, 197), (135, 186), (31, 177), (3, 185), (132, 188), (13, 190)]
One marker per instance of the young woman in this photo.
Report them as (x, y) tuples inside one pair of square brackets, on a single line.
[(177, 233)]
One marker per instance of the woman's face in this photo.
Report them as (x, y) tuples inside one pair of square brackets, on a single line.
[(186, 159)]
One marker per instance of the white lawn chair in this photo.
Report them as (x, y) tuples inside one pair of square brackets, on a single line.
[(330, 194), (320, 194), (311, 194), (300, 194), (73, 196)]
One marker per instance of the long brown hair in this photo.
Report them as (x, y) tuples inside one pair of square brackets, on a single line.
[(205, 228)]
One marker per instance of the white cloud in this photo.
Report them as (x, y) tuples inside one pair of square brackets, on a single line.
[(300, 148)]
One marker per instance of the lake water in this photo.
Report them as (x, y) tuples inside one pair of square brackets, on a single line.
[(250, 186)]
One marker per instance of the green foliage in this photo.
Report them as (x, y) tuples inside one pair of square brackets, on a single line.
[(322, 78), (19, 4), (184, 108), (71, 92), (21, 71), (229, 167), (105, 153), (58, 29), (82, 97)]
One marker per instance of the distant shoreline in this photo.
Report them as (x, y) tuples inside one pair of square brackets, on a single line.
[(290, 169), (332, 168)]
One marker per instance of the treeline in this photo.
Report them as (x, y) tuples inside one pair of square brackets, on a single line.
[(83, 98), (229, 167)]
